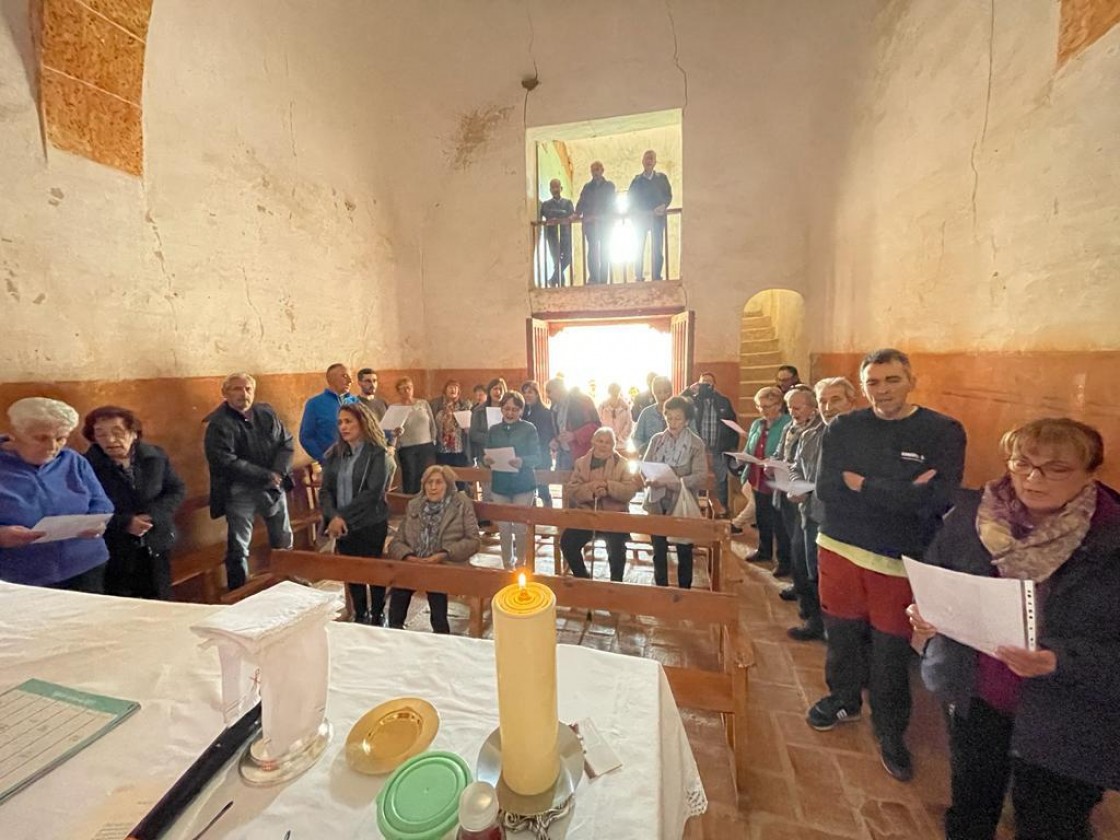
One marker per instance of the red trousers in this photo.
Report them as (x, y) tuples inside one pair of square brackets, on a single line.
[(853, 592)]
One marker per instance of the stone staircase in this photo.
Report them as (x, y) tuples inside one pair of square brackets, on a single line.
[(759, 359)]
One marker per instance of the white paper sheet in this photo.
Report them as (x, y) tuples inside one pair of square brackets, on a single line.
[(657, 472), (463, 418), (493, 416), (732, 424), (502, 457), (395, 416), (69, 526), (745, 457), (982, 612)]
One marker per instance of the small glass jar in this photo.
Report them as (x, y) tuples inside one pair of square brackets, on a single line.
[(478, 813)]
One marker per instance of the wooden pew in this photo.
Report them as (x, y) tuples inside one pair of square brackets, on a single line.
[(723, 691), (714, 534), (207, 561)]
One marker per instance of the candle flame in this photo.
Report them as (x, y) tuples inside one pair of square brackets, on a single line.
[(521, 580)]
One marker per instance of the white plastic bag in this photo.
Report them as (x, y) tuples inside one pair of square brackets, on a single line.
[(685, 507)]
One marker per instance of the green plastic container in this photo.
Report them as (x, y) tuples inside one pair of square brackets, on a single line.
[(420, 801)]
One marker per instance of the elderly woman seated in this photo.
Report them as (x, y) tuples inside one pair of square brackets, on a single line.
[(40, 476), (1046, 721), (601, 480), (439, 526)]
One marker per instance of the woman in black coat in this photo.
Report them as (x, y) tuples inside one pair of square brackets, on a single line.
[(145, 492), (1044, 722), (357, 471)]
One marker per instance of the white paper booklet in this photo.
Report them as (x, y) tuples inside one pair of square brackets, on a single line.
[(502, 456), (493, 416), (982, 612), (733, 425), (657, 472), (69, 526), (395, 416), (463, 418)]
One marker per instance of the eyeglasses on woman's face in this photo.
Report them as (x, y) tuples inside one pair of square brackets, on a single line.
[(1050, 471)]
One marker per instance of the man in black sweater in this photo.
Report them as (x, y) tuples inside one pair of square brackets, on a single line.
[(887, 476)]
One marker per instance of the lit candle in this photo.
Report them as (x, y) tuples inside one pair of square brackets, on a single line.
[(525, 653)]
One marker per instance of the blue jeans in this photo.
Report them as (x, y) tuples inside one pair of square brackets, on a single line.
[(242, 507), (654, 227)]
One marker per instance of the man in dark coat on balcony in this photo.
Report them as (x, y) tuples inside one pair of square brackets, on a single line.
[(595, 207), (557, 213)]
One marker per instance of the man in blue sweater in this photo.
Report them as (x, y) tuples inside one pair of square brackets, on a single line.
[(319, 427)]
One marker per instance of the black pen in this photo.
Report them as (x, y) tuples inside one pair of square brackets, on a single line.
[(205, 767)]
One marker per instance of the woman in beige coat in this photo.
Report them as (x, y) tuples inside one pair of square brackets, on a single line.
[(439, 526), (600, 480)]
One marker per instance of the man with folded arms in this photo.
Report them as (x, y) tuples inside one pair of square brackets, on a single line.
[(887, 475)]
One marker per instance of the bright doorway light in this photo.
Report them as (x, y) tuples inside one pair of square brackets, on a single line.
[(592, 357)]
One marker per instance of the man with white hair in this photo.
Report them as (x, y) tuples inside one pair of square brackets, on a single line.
[(250, 457), (835, 396), (650, 195), (41, 476)]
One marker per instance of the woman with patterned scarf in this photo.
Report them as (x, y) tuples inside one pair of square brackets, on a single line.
[(684, 451), (439, 526), (1044, 722)]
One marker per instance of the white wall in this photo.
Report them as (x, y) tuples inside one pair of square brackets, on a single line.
[(767, 100), (261, 235), (979, 203)]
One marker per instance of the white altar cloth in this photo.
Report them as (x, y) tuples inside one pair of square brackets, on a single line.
[(144, 651)]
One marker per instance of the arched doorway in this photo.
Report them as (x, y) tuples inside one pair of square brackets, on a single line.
[(771, 335)]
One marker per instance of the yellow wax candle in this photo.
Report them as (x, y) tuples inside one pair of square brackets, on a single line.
[(525, 653)]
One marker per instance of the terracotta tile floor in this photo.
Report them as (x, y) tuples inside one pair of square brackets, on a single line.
[(803, 785)]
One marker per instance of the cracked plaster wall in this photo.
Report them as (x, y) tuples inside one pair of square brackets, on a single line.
[(978, 207), (764, 118), (261, 235)]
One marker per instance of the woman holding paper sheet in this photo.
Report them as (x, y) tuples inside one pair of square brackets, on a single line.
[(453, 445), (1044, 722), (41, 476), (512, 482), (415, 442), (684, 451), (763, 439), (357, 471)]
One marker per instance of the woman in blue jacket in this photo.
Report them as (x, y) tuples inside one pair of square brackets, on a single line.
[(40, 476)]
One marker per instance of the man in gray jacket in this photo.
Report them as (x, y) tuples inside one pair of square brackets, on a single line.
[(835, 396)]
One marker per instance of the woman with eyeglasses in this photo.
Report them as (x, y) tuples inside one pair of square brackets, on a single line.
[(1045, 723)]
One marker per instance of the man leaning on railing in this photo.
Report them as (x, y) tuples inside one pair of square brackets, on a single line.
[(558, 235)]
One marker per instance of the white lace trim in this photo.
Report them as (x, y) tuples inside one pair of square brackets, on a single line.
[(697, 799)]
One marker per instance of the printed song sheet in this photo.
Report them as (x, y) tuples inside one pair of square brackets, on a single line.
[(501, 459), (463, 418), (493, 416), (982, 612), (70, 526), (657, 472), (395, 417)]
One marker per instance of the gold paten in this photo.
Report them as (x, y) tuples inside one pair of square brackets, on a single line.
[(388, 735)]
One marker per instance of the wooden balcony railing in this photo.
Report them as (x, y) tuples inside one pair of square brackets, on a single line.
[(596, 250)]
